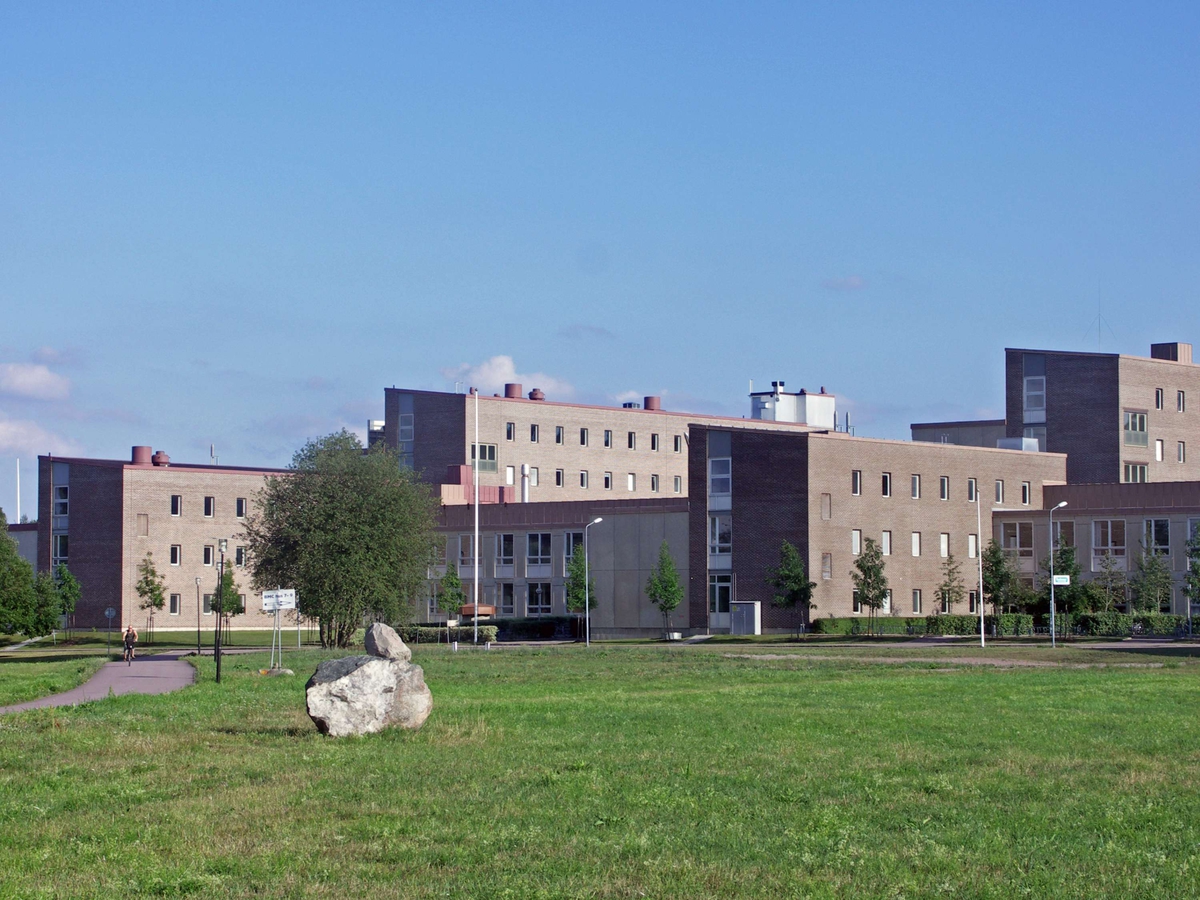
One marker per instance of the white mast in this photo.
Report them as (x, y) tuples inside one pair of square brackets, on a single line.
[(475, 546), (18, 489)]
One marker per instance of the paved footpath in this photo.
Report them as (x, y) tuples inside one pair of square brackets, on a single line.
[(158, 674)]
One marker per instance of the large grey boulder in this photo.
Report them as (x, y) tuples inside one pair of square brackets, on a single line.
[(383, 641), (365, 694)]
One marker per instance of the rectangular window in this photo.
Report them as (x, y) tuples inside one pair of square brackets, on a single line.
[(1135, 473), (1064, 533), (143, 525), (210, 506), (945, 599), (654, 442), (510, 431), (886, 484), (855, 603), (239, 557), (176, 602), (538, 599), (856, 541), (970, 490), (826, 566), (176, 505), (209, 554), (608, 481), (487, 457), (583, 437), (504, 549), (1017, 539), (826, 507), (1181, 452), (999, 490), (1158, 450), (632, 440), (654, 484), (916, 597), (572, 541), (510, 474), (856, 482), (885, 543), (405, 430), (608, 439), (720, 534), (679, 484), (1035, 399), (944, 545), (1108, 537), (1158, 398), (537, 549), (1157, 538), (206, 608), (972, 546), (559, 478), (679, 443), (1181, 402), (720, 477), (558, 434), (506, 598), (1135, 429), (61, 545), (720, 592), (466, 554), (631, 481), (240, 507), (916, 543), (533, 476), (176, 554), (1026, 493), (583, 478), (916, 487), (972, 598), (533, 434), (944, 487)]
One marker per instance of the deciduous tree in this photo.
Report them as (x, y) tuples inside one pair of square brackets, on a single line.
[(17, 598), (663, 586), (150, 587), (47, 606), (870, 581), (952, 590), (790, 581), (1151, 582), (576, 575)]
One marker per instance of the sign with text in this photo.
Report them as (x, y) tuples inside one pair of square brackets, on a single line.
[(273, 600), (1062, 580)]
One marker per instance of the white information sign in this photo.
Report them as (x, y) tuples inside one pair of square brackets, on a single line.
[(276, 600), (1062, 580)]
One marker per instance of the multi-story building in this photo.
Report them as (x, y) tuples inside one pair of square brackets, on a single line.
[(24, 535), (827, 493), (101, 517), (1109, 525)]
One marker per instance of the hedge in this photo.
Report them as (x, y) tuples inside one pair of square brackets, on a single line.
[(858, 625), (539, 628), (1009, 624), (431, 634), (1122, 624)]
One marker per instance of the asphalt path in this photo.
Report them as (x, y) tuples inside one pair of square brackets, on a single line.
[(158, 674)]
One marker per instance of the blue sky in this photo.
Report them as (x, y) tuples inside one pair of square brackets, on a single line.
[(237, 223)]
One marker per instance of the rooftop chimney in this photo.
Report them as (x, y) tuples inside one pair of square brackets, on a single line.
[(142, 456), (1174, 351), (536, 394), (512, 391), (653, 403)]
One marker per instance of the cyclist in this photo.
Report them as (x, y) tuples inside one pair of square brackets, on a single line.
[(131, 637)]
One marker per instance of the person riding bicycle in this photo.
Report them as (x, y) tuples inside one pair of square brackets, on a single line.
[(131, 637)]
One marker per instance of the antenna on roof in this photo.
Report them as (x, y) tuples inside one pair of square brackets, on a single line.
[(212, 453)]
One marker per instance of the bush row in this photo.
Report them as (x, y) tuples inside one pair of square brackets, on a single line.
[(858, 625), (1121, 624), (431, 634)]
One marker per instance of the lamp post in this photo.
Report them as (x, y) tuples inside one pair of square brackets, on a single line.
[(222, 544), (979, 559), (587, 598), (197, 616), (1053, 640)]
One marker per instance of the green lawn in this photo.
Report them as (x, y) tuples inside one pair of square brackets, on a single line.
[(624, 772), (29, 677)]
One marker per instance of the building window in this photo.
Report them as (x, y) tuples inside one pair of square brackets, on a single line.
[(176, 554), (1158, 398), (583, 437), (1035, 399), (176, 602), (504, 549), (916, 543), (1181, 453), (558, 434), (559, 478), (720, 591), (1064, 533), (466, 550), (607, 439), (856, 541), (143, 525), (505, 589), (583, 479), (916, 487), (405, 430), (855, 603), (510, 431), (538, 599), (1026, 493), (887, 484), (972, 598), (176, 505), (679, 484), (239, 557), (608, 481), (631, 481), (944, 596), (533, 476), (572, 541), (1158, 450), (970, 490), (826, 566), (1135, 473), (826, 507), (240, 507), (206, 607), (679, 443), (1108, 537), (999, 490), (944, 544), (1017, 539), (210, 507), (720, 534), (944, 487), (654, 484), (533, 434), (916, 595), (208, 554), (510, 475), (632, 440), (537, 549), (885, 543), (61, 545), (1135, 429), (972, 546), (487, 457), (1158, 537), (654, 442), (720, 476), (1181, 402)]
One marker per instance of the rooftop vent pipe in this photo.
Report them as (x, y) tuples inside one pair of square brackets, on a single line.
[(652, 403), (160, 459), (142, 456), (536, 394), (512, 391)]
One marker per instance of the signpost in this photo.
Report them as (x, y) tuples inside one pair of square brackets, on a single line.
[(110, 614), (274, 601)]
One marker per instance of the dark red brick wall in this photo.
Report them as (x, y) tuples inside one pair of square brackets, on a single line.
[(439, 429), (698, 527)]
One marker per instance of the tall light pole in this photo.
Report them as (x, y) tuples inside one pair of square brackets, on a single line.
[(221, 544), (979, 558), (587, 598), (1053, 639), (475, 537), (197, 616)]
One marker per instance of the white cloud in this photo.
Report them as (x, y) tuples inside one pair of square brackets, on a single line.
[(849, 283), (32, 382), (20, 437), (491, 375)]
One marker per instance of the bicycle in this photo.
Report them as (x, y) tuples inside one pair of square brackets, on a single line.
[(128, 655)]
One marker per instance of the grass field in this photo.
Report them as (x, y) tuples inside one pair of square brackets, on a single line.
[(627, 772), (29, 677)]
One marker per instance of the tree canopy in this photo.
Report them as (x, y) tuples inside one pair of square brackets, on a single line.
[(663, 586), (577, 577), (17, 598), (870, 582), (1151, 583), (351, 532), (791, 584), (952, 590)]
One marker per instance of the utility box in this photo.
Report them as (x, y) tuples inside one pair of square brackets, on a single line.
[(745, 617)]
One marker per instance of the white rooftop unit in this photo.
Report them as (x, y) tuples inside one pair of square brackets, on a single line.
[(777, 405)]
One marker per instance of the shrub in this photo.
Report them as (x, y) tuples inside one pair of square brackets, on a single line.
[(539, 628), (1105, 623), (1015, 624), (431, 634), (950, 624), (858, 625)]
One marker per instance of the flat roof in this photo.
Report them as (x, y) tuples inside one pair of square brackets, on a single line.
[(1139, 497), (1154, 359), (965, 423), (187, 467)]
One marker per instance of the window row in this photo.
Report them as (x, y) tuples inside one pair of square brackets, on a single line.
[(941, 599), (1109, 537), (208, 555), (537, 546), (175, 603), (609, 442), (944, 492), (1180, 400), (608, 481), (885, 543), (538, 598), (210, 506)]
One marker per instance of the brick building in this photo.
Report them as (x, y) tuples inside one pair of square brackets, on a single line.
[(101, 517)]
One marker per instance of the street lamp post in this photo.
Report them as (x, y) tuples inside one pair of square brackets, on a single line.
[(221, 544), (1053, 639), (197, 616), (587, 599), (979, 559)]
